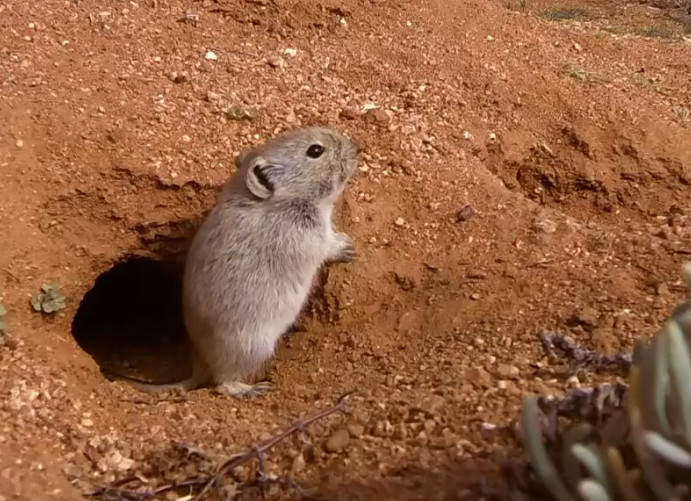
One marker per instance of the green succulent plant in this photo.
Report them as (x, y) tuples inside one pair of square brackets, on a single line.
[(641, 451)]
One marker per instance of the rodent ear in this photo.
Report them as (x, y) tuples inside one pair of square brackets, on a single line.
[(258, 179)]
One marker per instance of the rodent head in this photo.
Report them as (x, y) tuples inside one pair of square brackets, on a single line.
[(310, 163)]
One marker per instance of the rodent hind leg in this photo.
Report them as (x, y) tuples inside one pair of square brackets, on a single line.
[(240, 389), (343, 250)]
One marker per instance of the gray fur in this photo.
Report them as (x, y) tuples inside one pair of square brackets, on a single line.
[(251, 265)]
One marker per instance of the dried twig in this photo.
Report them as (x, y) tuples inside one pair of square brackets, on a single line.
[(590, 404), (15, 277), (258, 451), (116, 492), (582, 357)]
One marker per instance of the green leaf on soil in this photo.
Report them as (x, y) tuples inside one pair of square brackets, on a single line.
[(50, 300), (36, 302)]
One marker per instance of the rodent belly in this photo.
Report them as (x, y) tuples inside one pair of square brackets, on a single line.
[(286, 310)]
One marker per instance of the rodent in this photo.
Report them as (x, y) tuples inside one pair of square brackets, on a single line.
[(251, 264)]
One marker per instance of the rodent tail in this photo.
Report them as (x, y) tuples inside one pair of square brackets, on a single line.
[(185, 385), (190, 383)]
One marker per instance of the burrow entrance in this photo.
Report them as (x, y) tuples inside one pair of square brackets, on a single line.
[(131, 320)]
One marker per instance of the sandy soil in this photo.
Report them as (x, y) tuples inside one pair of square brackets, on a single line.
[(564, 127)]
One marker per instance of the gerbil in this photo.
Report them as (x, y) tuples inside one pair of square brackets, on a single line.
[(251, 265)]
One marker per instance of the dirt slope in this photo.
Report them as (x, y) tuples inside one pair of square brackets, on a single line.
[(564, 126)]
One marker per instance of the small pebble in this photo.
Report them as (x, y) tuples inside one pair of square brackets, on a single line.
[(176, 77), (338, 441), (479, 377), (276, 62), (465, 214), (399, 222), (587, 317), (211, 56), (544, 225), (356, 430), (299, 463), (508, 371)]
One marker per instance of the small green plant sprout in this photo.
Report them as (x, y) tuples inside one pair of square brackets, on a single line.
[(49, 300), (640, 451), (565, 14), (681, 113), (656, 31), (577, 72)]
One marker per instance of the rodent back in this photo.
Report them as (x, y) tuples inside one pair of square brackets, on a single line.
[(311, 164)]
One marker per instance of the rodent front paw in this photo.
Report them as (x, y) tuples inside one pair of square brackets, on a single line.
[(346, 250)]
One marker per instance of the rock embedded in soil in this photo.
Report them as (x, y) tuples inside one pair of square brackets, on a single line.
[(276, 62), (587, 317), (383, 429), (348, 114), (176, 77), (432, 404), (544, 225), (480, 378), (465, 214), (299, 463), (356, 430), (508, 371), (377, 117), (338, 441)]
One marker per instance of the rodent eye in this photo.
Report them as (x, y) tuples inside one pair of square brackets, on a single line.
[(315, 151)]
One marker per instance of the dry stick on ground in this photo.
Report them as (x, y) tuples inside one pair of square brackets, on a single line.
[(590, 404), (583, 357), (114, 492), (258, 451), (582, 403)]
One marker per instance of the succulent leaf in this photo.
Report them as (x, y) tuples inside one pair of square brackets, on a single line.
[(651, 469), (590, 490), (680, 362), (686, 267), (636, 447), (620, 477), (667, 450), (532, 441), (592, 461), (662, 383), (571, 467)]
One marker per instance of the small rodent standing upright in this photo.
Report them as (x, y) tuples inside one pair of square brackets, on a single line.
[(252, 263)]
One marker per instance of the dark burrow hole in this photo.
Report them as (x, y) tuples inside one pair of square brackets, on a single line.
[(131, 320)]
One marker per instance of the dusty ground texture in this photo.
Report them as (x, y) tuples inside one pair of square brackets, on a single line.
[(564, 126)]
